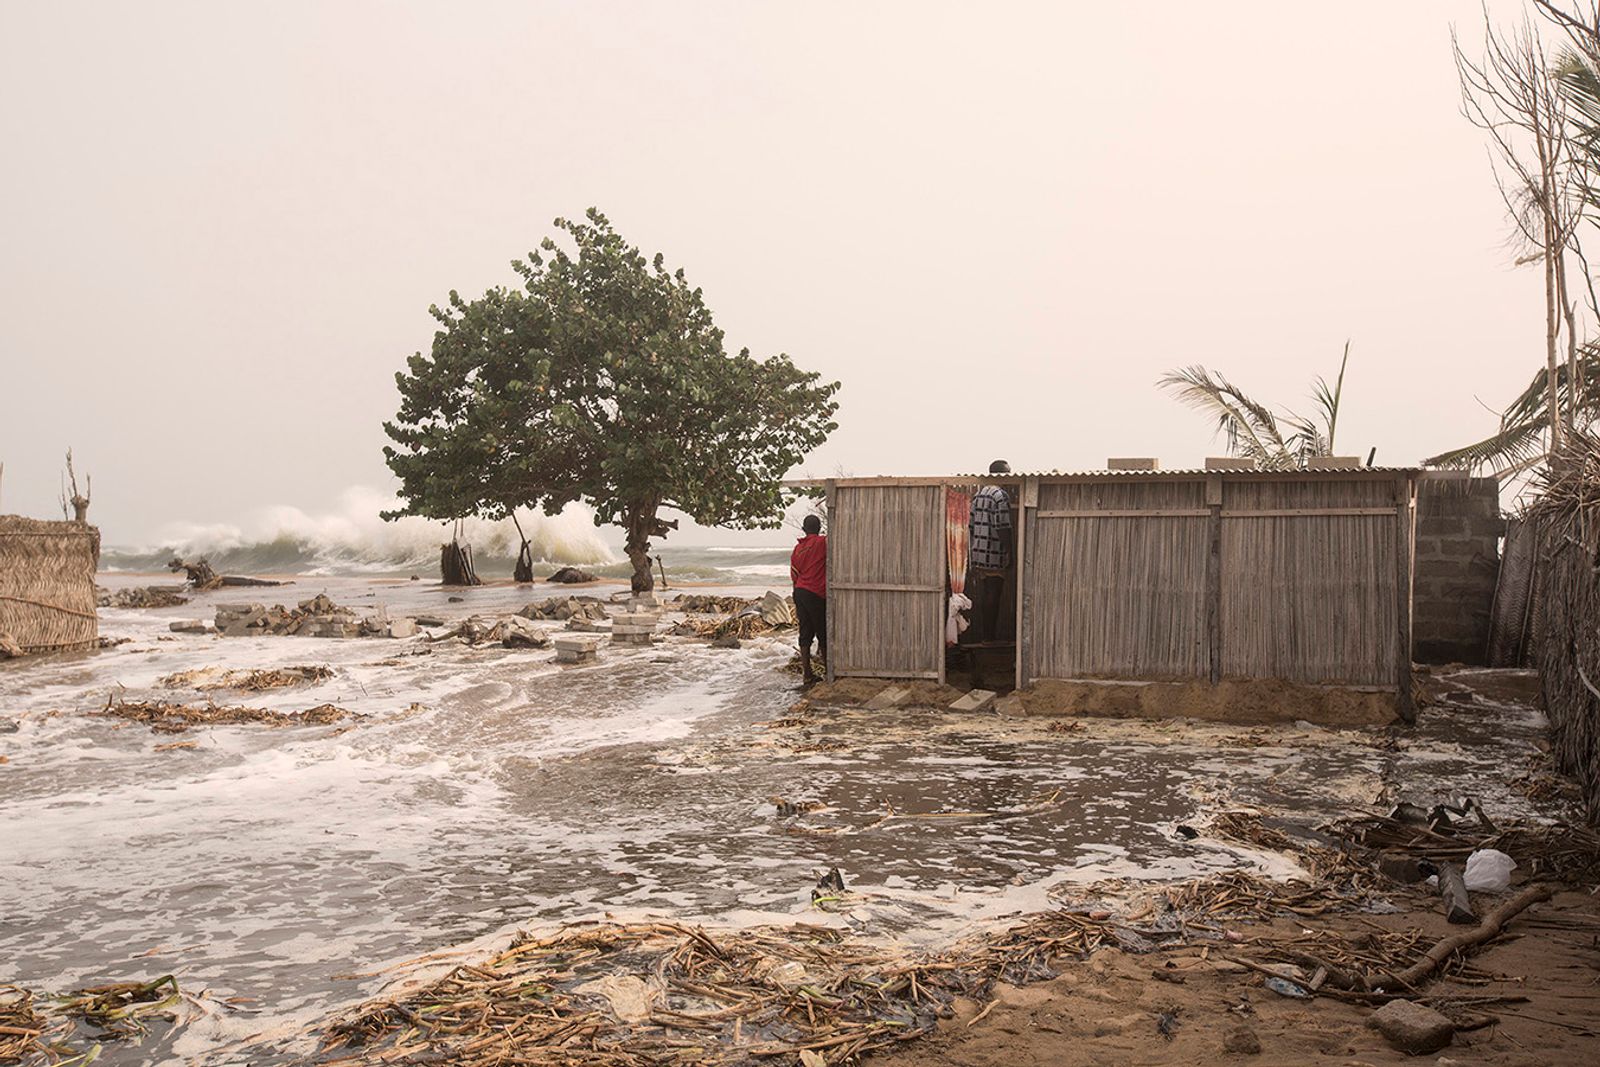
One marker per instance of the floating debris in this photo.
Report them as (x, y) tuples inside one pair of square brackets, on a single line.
[(246, 680), (169, 718), (120, 1009)]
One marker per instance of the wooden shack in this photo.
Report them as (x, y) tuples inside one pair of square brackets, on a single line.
[(47, 594), (1202, 577)]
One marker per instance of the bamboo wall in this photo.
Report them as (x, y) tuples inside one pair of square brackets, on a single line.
[(1313, 597), (886, 580), (47, 596), (1122, 595)]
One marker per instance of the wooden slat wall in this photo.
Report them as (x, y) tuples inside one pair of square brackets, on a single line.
[(887, 535), (1312, 598), (1119, 596)]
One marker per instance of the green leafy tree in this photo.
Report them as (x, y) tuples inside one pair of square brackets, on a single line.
[(1274, 441), (601, 379)]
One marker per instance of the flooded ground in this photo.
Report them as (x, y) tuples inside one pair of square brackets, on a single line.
[(282, 870)]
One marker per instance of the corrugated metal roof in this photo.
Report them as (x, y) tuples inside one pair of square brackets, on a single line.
[(1190, 472)]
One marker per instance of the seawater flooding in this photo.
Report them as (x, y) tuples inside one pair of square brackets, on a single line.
[(283, 871)]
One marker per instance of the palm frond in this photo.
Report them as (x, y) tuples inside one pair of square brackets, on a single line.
[(1510, 451), (1249, 426)]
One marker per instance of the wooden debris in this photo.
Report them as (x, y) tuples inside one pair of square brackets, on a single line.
[(168, 718)]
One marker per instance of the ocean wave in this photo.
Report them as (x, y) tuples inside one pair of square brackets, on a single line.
[(354, 539)]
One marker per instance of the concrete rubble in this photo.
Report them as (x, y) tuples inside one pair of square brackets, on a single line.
[(634, 628), (577, 648), (144, 596), (559, 608)]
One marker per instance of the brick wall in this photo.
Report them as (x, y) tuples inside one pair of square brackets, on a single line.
[(1458, 562)]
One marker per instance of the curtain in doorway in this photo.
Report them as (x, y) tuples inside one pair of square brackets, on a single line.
[(957, 517)]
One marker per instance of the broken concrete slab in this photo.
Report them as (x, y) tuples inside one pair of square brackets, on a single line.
[(975, 700), (402, 628), (1010, 706), (189, 626), (1412, 1028), (892, 697)]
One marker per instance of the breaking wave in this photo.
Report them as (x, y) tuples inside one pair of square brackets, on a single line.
[(354, 540)]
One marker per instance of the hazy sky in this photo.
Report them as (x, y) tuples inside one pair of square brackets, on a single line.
[(221, 225)]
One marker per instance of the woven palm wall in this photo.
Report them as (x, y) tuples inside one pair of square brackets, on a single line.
[(47, 597), (1312, 598), (886, 580), (1121, 595)]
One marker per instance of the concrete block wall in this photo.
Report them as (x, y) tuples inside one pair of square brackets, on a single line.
[(1459, 527)]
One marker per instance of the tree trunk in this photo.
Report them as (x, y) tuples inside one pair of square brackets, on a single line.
[(642, 524), (638, 549), (455, 565), (1552, 311), (523, 572)]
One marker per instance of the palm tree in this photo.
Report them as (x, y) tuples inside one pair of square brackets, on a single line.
[(1523, 440), (1274, 441)]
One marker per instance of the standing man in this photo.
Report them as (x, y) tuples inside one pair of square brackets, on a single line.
[(808, 569), (989, 538)]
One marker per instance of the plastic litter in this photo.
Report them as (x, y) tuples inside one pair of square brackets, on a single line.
[(1489, 871), (955, 621), (1285, 988)]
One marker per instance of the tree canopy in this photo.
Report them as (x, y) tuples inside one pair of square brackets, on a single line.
[(603, 379)]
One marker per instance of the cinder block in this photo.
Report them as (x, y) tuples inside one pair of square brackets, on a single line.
[(975, 700), (577, 643)]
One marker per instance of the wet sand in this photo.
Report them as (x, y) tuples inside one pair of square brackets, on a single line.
[(487, 789)]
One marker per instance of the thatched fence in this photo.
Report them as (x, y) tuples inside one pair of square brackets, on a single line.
[(47, 597), (1565, 522)]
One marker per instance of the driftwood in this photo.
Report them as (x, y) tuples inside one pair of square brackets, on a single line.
[(1491, 925), (1453, 891), (455, 564), (201, 576)]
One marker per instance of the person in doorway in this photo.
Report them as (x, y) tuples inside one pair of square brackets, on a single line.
[(989, 540), (808, 569)]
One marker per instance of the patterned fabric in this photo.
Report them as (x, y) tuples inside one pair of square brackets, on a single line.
[(957, 513), (990, 542)]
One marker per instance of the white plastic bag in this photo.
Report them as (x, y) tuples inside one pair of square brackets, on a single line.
[(1489, 871), (955, 622)]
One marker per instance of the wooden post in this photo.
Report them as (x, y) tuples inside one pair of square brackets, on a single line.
[(1405, 495), (827, 605), (941, 603), (1214, 578), (1027, 504)]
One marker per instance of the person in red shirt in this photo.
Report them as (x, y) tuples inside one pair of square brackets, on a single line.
[(808, 569)]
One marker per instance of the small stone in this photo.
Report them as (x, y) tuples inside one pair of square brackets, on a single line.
[(1241, 1040), (188, 626), (455, 599), (1412, 1028)]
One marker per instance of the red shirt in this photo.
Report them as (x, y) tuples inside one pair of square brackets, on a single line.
[(808, 567)]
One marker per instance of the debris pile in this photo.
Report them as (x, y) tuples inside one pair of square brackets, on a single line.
[(513, 631), (757, 617), (659, 993), (317, 617), (705, 604), (246, 680), (169, 718), (559, 608), (144, 596)]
